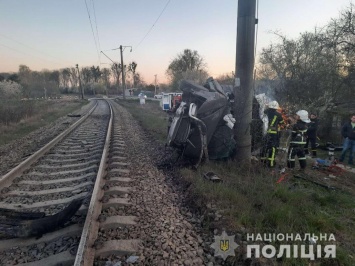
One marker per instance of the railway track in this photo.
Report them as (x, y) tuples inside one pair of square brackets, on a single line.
[(70, 170), (121, 209)]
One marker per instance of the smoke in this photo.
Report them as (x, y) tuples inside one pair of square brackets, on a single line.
[(263, 100)]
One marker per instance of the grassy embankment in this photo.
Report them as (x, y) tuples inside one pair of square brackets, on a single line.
[(19, 118), (250, 200)]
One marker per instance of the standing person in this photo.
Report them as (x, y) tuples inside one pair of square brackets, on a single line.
[(298, 140), (348, 133), (312, 135), (271, 140)]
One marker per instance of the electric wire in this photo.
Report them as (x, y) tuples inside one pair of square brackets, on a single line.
[(92, 30), (25, 45), (97, 31), (108, 58), (161, 13), (257, 28), (29, 54), (256, 42)]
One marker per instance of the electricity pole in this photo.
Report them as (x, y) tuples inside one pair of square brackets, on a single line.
[(243, 86), (81, 88), (118, 78), (155, 91), (123, 80), (123, 74)]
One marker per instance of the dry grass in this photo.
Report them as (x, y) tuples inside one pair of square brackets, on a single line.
[(150, 116), (42, 113)]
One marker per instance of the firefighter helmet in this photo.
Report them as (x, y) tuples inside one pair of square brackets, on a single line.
[(303, 114), (274, 105)]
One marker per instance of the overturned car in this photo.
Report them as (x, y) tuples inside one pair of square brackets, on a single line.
[(202, 124)]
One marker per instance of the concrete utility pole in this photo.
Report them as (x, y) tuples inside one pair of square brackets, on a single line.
[(123, 79), (118, 78), (81, 88), (155, 90), (243, 87)]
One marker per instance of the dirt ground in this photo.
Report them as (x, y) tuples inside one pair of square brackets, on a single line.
[(336, 176)]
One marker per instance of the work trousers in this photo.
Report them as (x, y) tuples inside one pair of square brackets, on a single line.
[(311, 140), (268, 152), (293, 151)]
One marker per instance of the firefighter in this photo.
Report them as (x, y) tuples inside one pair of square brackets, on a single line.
[(298, 140), (271, 140), (312, 135)]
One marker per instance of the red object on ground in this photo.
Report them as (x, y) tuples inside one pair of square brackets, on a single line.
[(282, 178)]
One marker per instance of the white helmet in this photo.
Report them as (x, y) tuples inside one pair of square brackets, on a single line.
[(303, 114), (274, 105)]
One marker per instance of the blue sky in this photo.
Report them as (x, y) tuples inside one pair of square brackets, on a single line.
[(53, 34)]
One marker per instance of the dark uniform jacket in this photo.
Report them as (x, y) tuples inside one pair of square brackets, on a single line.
[(348, 131), (312, 128), (275, 118), (298, 136)]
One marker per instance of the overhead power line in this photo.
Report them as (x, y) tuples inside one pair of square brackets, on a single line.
[(97, 32), (29, 54), (25, 45), (92, 30), (108, 58), (166, 5)]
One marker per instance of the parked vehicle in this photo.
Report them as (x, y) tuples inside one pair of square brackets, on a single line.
[(170, 100)]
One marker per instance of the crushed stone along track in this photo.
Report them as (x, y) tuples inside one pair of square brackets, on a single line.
[(148, 227), (133, 216)]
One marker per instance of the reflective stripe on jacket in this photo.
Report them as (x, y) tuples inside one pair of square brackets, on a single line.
[(275, 119), (299, 131)]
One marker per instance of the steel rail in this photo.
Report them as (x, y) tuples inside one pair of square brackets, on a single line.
[(85, 254), (24, 165)]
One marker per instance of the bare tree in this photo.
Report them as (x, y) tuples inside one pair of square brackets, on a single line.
[(186, 64), (132, 68), (74, 78), (305, 71), (64, 77)]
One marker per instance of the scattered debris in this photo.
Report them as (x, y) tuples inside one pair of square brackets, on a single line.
[(212, 177), (12, 214), (282, 177), (254, 158), (71, 115), (37, 227), (313, 241), (132, 259), (314, 182)]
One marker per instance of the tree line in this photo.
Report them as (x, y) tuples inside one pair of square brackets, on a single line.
[(315, 71), (94, 80)]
